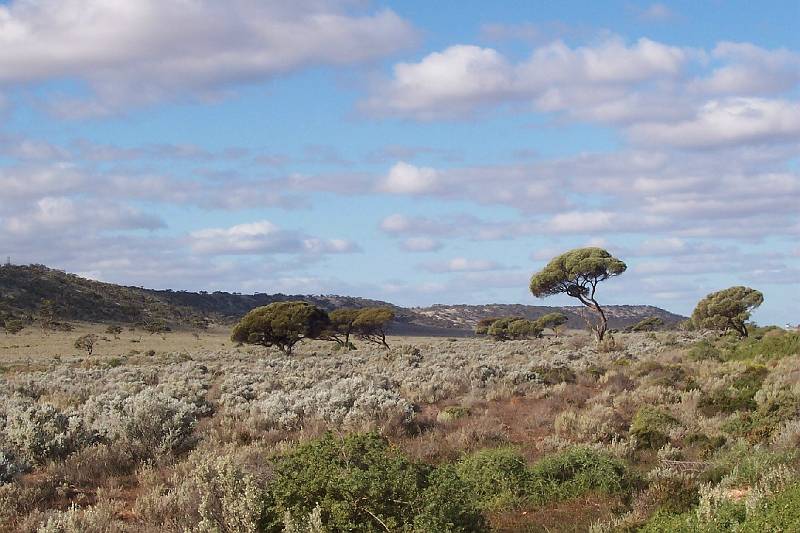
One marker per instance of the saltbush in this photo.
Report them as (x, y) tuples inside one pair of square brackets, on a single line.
[(38, 432)]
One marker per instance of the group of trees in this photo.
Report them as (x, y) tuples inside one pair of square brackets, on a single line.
[(512, 327), (577, 273), (284, 324)]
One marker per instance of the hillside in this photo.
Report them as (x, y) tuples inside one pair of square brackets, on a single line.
[(23, 288)]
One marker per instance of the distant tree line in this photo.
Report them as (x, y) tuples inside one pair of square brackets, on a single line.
[(284, 324)]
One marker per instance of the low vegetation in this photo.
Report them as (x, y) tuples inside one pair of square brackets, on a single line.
[(692, 430)]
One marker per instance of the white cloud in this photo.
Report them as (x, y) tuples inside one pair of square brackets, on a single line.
[(263, 237), (146, 50), (462, 264), (463, 78), (420, 244), (404, 178), (726, 122), (656, 12)]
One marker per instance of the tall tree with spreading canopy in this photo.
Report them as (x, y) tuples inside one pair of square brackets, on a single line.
[(281, 324), (343, 325), (577, 274), (372, 324), (727, 309)]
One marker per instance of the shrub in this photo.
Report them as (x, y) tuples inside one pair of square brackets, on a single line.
[(575, 472), (38, 432), (9, 467), (704, 350), (738, 395), (650, 426), (362, 484), (148, 423), (496, 478)]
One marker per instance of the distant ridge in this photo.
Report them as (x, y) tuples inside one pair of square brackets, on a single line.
[(23, 288)]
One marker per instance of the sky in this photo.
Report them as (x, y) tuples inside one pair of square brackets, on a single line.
[(410, 151)]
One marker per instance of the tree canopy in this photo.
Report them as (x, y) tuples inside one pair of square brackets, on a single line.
[(372, 324), (281, 324), (343, 325), (508, 328), (577, 274), (552, 320), (728, 309)]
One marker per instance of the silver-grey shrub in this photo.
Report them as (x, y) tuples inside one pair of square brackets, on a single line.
[(38, 432), (148, 423)]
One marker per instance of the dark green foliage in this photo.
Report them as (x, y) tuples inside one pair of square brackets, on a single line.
[(553, 321), (446, 505), (739, 395), (728, 309), (577, 273), (281, 324), (496, 478), (482, 328), (553, 375), (652, 323), (509, 328), (772, 345), (705, 350), (342, 325), (650, 426), (364, 484), (155, 325), (577, 471), (372, 324)]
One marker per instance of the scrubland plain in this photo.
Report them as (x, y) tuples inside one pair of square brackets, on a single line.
[(660, 431)]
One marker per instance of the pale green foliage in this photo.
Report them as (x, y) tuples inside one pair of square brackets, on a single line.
[(728, 309), (281, 324), (148, 424), (38, 432)]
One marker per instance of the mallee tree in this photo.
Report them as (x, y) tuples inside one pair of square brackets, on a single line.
[(577, 274)]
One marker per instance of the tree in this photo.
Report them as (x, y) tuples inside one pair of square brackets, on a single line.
[(728, 309), (281, 324), (577, 274), (114, 330), (647, 324), (153, 325), (553, 321), (513, 327), (48, 315), (482, 327), (12, 326), (86, 342), (343, 325), (372, 324)]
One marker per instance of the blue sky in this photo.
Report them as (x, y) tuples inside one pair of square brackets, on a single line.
[(395, 151)]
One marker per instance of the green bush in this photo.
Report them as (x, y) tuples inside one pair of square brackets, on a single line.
[(705, 350), (496, 478), (650, 426), (774, 344), (738, 396), (575, 472), (363, 484)]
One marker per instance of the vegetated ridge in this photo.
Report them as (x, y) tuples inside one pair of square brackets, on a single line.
[(24, 287)]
